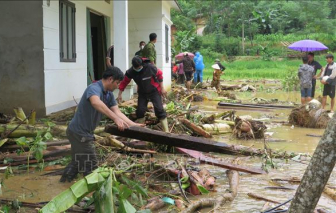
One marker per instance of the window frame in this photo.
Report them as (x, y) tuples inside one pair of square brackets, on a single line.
[(73, 53)]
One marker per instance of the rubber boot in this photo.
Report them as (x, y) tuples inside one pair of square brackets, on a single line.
[(141, 120), (70, 172), (164, 123)]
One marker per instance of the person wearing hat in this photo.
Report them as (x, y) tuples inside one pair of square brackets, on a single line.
[(150, 88), (217, 61), (327, 77), (189, 69), (216, 77)]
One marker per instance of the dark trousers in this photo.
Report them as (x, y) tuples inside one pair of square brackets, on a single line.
[(153, 97), (313, 88), (83, 153)]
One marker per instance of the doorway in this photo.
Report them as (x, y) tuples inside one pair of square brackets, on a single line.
[(96, 54)]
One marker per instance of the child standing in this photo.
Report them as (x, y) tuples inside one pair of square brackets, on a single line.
[(306, 74)]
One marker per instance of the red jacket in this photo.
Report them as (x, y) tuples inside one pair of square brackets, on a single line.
[(148, 71)]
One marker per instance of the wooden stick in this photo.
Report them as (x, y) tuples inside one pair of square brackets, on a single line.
[(257, 197), (196, 129)]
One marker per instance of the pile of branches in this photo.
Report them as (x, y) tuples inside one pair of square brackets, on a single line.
[(248, 129), (309, 116)]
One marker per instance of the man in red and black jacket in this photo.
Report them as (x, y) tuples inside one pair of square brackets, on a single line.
[(150, 88)]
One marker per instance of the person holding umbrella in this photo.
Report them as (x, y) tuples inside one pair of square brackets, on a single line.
[(189, 69), (328, 79)]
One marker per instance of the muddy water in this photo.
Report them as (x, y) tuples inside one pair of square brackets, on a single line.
[(293, 139)]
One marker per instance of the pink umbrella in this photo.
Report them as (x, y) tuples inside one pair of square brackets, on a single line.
[(180, 56)]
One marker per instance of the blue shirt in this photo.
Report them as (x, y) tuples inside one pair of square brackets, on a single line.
[(87, 118)]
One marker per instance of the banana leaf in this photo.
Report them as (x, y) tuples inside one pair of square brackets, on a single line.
[(77, 191)]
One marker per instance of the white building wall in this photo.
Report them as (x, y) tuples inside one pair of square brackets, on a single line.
[(65, 81), (146, 17)]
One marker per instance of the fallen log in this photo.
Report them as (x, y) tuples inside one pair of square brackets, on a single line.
[(10, 148), (196, 129), (330, 192), (31, 131), (220, 128), (189, 142), (24, 162), (219, 201), (50, 152), (219, 163)]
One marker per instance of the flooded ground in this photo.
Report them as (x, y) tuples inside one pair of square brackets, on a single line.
[(36, 188)]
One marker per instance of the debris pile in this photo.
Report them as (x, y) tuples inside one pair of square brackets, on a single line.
[(310, 115)]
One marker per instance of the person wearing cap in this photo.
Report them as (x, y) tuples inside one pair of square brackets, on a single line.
[(97, 100), (150, 88), (216, 77), (327, 77), (149, 49), (189, 69), (217, 61)]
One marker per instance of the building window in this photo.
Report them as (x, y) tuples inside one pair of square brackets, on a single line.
[(167, 42), (67, 31)]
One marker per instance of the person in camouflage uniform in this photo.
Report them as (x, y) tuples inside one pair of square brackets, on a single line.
[(149, 50), (216, 77)]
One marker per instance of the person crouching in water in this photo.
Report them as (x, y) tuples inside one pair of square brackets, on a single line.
[(306, 74), (150, 88), (216, 77)]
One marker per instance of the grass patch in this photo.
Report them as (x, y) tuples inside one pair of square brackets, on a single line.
[(257, 68)]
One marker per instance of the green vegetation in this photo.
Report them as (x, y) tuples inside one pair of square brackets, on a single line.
[(266, 26)]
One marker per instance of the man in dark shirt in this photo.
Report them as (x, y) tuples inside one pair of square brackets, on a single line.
[(328, 78), (189, 69), (96, 101), (317, 66)]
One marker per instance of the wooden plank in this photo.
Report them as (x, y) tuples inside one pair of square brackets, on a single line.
[(219, 163), (184, 141)]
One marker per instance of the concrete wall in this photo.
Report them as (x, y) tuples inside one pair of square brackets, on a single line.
[(21, 56), (65, 81)]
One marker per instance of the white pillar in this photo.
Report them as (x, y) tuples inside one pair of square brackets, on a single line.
[(120, 33)]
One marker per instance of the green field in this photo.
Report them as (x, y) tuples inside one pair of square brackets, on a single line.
[(247, 68)]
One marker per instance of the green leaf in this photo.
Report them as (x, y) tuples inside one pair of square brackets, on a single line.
[(185, 185), (184, 179), (47, 136), (126, 207), (124, 191), (3, 141), (38, 154), (80, 188), (105, 200), (60, 203), (22, 141), (202, 189)]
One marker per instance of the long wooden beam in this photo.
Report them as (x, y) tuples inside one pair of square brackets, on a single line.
[(184, 141)]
